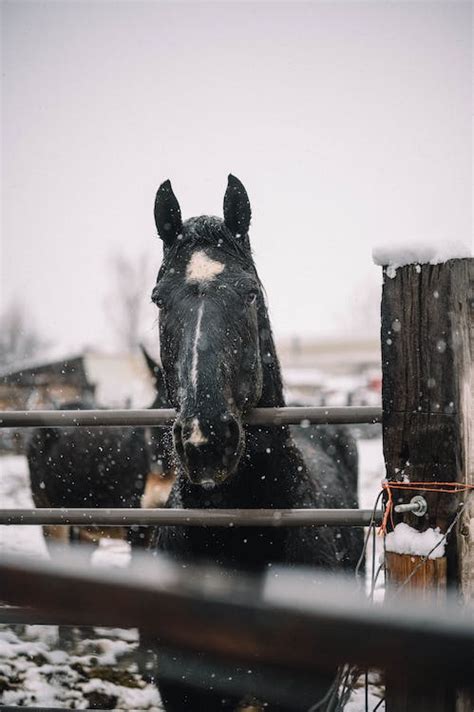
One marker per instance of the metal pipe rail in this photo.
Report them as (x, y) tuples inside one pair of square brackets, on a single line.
[(344, 415), (192, 517)]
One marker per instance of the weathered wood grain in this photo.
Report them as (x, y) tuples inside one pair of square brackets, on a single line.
[(426, 357), (427, 578), (427, 346)]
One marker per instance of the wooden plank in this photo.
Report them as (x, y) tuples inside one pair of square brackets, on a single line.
[(427, 424), (425, 578), (465, 530), (297, 620)]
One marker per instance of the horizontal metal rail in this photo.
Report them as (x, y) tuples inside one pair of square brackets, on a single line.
[(293, 619), (193, 517), (150, 417)]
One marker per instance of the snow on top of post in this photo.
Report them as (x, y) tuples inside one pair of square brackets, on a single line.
[(419, 251), (406, 540)]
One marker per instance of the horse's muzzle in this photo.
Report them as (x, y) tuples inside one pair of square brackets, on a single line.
[(209, 450)]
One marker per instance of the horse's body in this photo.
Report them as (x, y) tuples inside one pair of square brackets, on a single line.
[(219, 360), (96, 467)]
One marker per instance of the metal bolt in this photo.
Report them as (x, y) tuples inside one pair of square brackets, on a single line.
[(417, 506)]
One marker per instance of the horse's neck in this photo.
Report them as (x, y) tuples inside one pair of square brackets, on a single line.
[(271, 438)]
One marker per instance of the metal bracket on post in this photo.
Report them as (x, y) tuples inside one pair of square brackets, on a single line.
[(417, 506)]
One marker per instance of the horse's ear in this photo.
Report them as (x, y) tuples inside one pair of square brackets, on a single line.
[(167, 214), (158, 377), (237, 213), (153, 367)]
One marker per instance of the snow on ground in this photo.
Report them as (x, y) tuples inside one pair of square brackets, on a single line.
[(15, 493), (375, 694), (371, 474), (72, 668), (94, 668), (371, 469), (40, 668)]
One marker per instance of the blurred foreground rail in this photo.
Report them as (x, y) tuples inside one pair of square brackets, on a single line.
[(290, 619)]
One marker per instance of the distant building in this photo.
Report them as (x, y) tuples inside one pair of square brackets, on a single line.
[(44, 385), (109, 380), (105, 380), (335, 356), (331, 372)]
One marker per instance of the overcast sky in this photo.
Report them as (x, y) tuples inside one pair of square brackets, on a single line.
[(349, 124)]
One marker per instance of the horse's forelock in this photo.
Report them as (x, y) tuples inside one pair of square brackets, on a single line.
[(210, 231)]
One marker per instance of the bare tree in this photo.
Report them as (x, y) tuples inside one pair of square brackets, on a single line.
[(128, 298), (19, 340)]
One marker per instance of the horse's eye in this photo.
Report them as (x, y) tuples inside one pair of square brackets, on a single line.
[(252, 297)]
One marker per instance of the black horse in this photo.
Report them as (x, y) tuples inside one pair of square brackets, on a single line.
[(219, 361), (98, 467)]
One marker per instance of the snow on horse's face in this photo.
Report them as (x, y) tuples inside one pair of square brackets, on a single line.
[(209, 297)]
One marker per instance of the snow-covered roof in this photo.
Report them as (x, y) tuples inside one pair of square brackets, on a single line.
[(120, 379), (37, 362)]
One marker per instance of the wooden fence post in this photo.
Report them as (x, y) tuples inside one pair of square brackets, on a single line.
[(427, 348)]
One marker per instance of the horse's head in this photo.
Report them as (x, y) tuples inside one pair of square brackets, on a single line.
[(209, 297)]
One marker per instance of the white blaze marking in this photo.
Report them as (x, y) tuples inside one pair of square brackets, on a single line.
[(197, 437), (194, 367), (202, 268)]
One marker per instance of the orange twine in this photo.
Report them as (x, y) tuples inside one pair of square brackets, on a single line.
[(444, 487)]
